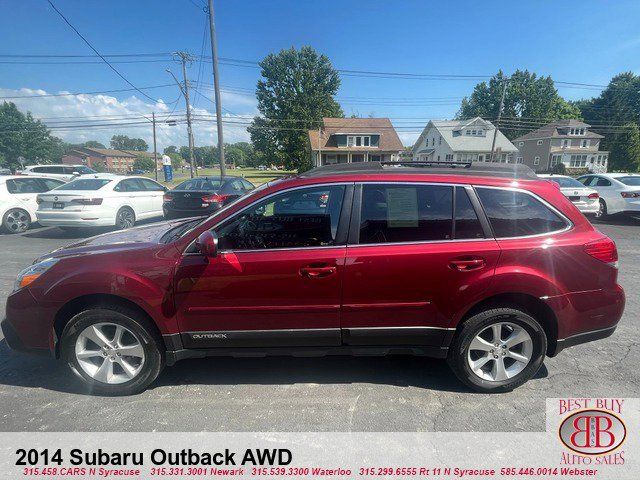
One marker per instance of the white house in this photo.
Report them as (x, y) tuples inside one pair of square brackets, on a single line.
[(463, 141)]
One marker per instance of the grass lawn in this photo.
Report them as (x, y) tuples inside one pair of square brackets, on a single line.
[(255, 176)]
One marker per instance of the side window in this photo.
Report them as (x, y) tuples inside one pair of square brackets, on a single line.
[(518, 214), (24, 185), (299, 218), (129, 185), (586, 180), (50, 184), (405, 213), (150, 185), (467, 224), (601, 182), (247, 185)]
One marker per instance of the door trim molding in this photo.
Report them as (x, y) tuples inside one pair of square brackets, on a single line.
[(259, 308)]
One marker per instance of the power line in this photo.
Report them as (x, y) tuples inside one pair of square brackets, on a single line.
[(97, 92), (98, 53)]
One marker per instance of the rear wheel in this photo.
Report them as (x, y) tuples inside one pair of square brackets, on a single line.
[(125, 218), (113, 352), (498, 350), (16, 220)]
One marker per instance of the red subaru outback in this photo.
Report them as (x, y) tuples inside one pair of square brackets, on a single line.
[(487, 266)]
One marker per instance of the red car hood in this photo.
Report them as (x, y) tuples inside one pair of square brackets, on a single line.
[(138, 237)]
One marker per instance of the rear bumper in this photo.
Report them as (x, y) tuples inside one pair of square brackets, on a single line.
[(588, 208), (73, 219), (171, 211)]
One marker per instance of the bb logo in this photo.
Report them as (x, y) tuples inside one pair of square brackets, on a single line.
[(592, 432)]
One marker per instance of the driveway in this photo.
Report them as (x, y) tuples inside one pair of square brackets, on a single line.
[(313, 394)]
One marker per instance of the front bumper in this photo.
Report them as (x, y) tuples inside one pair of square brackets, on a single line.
[(15, 343)]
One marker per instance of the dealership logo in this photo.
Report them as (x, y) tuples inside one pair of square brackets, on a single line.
[(592, 432)]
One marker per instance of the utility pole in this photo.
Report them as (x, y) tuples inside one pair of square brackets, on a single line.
[(184, 58), (497, 126), (216, 87), (155, 150)]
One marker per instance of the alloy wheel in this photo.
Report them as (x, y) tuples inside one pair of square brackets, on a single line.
[(500, 351), (125, 219), (109, 353), (17, 221), (602, 209)]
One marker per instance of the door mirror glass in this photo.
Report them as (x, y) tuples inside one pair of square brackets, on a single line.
[(207, 244)]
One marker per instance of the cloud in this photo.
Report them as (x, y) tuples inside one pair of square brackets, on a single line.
[(100, 109)]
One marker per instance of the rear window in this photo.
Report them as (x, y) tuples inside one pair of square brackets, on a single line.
[(518, 214), (205, 184), (85, 184), (565, 182), (631, 181)]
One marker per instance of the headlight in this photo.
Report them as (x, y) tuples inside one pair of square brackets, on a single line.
[(29, 274)]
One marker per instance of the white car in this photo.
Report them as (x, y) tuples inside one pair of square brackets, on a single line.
[(619, 192), (18, 200), (101, 200), (585, 198), (61, 172)]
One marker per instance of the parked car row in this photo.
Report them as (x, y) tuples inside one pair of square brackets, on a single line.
[(103, 199)]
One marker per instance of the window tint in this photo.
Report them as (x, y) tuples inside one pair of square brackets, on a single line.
[(25, 185), (85, 184), (467, 224), (405, 213), (516, 214), (601, 182), (204, 184), (150, 185), (130, 185), (247, 185), (299, 218), (566, 182), (632, 181), (50, 184), (586, 180)]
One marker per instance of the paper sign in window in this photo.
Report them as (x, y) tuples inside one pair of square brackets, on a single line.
[(402, 207)]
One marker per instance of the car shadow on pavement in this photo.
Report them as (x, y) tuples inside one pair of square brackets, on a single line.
[(623, 220), (23, 370)]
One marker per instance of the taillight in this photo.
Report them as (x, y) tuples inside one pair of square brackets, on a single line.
[(167, 197), (604, 250), (87, 201), (215, 198), (593, 196), (630, 194)]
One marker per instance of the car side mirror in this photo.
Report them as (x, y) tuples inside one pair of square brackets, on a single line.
[(207, 244)]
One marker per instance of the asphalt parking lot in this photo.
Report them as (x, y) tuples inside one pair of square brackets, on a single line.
[(315, 394)]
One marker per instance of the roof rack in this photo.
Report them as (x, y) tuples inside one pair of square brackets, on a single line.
[(418, 163), (483, 169)]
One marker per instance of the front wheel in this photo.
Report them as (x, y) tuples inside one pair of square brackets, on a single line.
[(602, 209), (498, 350), (113, 352)]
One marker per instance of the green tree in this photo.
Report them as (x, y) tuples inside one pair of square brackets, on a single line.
[(122, 142), (529, 100), (170, 149), (615, 113), (295, 92), (93, 144), (23, 136), (144, 163)]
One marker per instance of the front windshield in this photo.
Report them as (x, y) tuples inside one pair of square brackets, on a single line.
[(181, 230), (567, 182), (631, 181), (87, 184)]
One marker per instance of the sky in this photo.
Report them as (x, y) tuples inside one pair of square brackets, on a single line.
[(586, 42)]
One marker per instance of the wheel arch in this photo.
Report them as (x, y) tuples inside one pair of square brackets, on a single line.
[(79, 304), (530, 304)]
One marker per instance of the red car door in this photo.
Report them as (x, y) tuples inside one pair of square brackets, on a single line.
[(411, 264), (276, 280)]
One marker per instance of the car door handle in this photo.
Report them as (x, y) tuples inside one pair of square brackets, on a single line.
[(317, 272), (467, 264)]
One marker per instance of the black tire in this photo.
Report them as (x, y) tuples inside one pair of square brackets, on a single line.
[(135, 323), (602, 212), (125, 218), (459, 350), (16, 220)]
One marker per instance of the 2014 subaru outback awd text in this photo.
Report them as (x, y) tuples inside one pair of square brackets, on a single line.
[(486, 266)]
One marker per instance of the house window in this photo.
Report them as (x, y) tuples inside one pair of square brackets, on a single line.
[(536, 161), (539, 142), (585, 144), (521, 144), (519, 160), (566, 143), (449, 157), (481, 133), (358, 141), (433, 142), (468, 132), (440, 140)]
